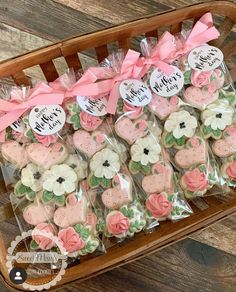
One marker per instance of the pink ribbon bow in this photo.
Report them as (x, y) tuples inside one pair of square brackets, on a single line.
[(41, 94), (86, 86), (162, 54), (202, 32)]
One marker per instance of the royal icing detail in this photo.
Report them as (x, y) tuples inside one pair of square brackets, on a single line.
[(135, 92), (166, 85), (47, 119), (205, 58), (226, 146)]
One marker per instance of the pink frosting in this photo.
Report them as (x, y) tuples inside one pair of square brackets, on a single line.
[(231, 130), (231, 170), (134, 111), (89, 122), (91, 219), (44, 242), (199, 78), (70, 239), (158, 205), (46, 140), (117, 223), (195, 180)]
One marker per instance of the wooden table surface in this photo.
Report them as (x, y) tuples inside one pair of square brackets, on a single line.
[(204, 262)]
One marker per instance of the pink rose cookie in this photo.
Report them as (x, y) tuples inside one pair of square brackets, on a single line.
[(130, 111), (159, 206), (44, 236), (120, 194), (37, 213), (87, 143), (46, 157), (161, 179), (178, 127), (163, 107), (80, 119), (126, 221), (196, 181), (74, 212), (215, 118), (104, 165), (14, 153), (78, 240), (130, 130), (200, 98), (211, 80), (194, 153), (226, 146), (228, 171)]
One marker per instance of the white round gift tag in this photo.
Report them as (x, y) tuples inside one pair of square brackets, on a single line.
[(93, 106)]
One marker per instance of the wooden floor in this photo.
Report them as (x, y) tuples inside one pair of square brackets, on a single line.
[(204, 262)]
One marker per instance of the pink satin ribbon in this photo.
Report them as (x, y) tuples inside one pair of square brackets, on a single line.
[(202, 32), (86, 86), (42, 94), (162, 54)]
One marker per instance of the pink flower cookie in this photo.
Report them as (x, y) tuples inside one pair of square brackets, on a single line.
[(196, 181), (126, 221), (159, 205), (131, 111), (226, 146), (80, 119), (44, 236), (194, 153), (87, 143), (161, 179), (130, 130), (163, 107), (212, 80), (200, 98), (178, 127), (228, 171), (15, 153), (120, 194), (71, 240)]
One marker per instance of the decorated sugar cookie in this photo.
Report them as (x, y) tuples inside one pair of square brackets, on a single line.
[(15, 153), (126, 221), (120, 194), (44, 236), (46, 157), (228, 170), (198, 180), (144, 152), (226, 146), (59, 181), (161, 179), (194, 152), (87, 143), (178, 128), (78, 165), (74, 212), (130, 130), (162, 107), (104, 165), (131, 111), (215, 118)]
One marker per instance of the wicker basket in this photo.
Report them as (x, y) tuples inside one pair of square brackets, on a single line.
[(123, 35)]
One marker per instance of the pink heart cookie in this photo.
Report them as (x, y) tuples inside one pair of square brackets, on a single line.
[(200, 97), (88, 143), (160, 181), (38, 213), (129, 130), (46, 157), (162, 107), (120, 194), (195, 152), (226, 146), (74, 212), (13, 152)]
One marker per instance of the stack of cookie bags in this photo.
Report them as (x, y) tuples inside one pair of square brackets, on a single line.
[(43, 172)]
